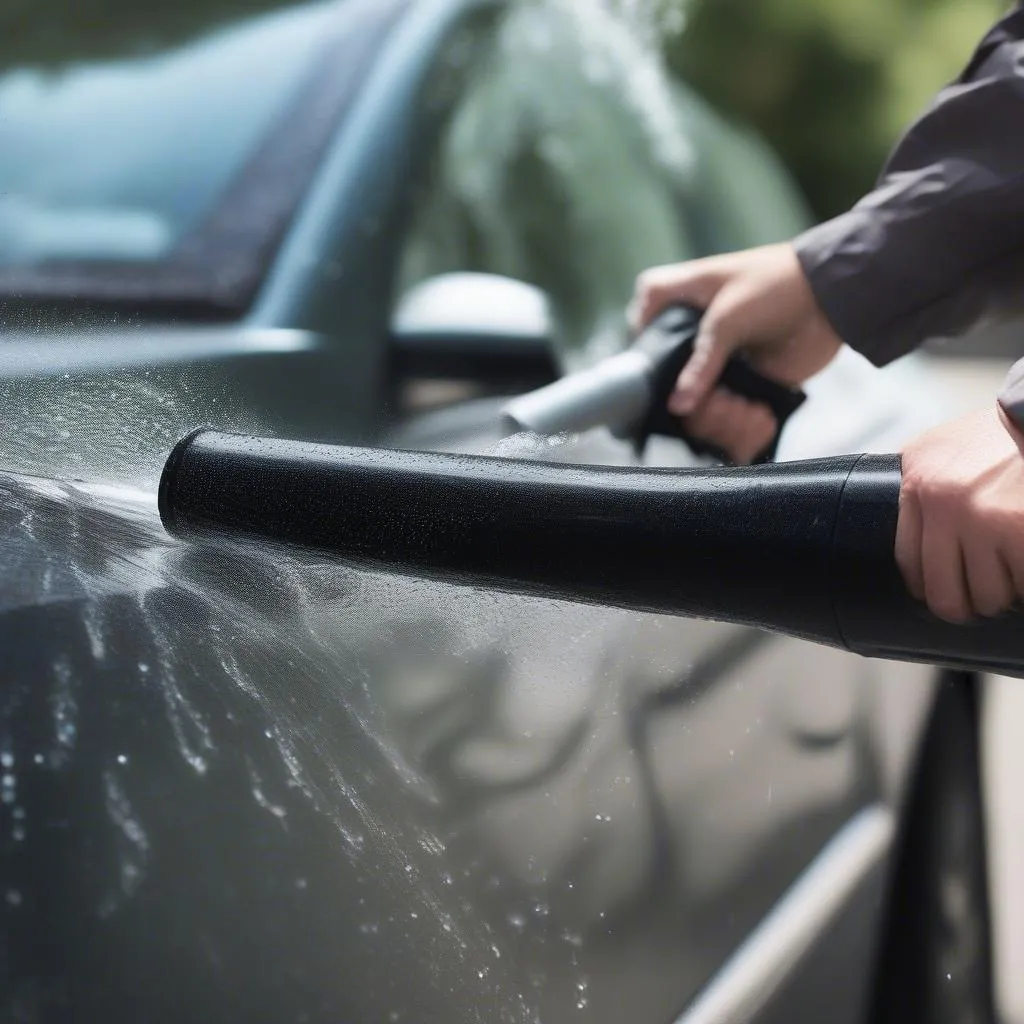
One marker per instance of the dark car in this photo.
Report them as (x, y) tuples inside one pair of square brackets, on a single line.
[(248, 784)]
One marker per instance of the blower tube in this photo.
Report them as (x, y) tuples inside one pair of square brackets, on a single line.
[(802, 548)]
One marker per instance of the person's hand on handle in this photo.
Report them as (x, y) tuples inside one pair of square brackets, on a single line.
[(960, 538), (757, 300)]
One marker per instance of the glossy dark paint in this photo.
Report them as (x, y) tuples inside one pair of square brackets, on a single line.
[(341, 798), (251, 786)]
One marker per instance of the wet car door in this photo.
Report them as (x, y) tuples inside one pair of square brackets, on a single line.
[(637, 792), (245, 785)]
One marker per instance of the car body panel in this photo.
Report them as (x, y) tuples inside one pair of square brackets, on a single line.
[(243, 783)]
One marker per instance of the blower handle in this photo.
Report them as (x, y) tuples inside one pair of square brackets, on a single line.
[(669, 344), (628, 392)]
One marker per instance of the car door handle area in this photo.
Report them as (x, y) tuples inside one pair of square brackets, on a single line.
[(829, 915)]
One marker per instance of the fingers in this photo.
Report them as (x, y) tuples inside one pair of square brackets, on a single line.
[(990, 582), (1013, 558), (960, 534), (908, 543), (758, 299), (702, 284), (945, 578), (954, 558), (963, 574), (739, 427), (695, 283), (711, 351)]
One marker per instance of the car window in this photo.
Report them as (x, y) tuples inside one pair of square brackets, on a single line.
[(745, 197), (118, 158), (547, 174)]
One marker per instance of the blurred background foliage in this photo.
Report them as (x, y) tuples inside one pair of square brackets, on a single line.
[(829, 83)]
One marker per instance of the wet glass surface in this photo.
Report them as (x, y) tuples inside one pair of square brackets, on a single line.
[(118, 157)]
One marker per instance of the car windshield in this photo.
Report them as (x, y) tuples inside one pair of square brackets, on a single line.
[(115, 146)]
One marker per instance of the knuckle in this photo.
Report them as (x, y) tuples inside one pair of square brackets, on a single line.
[(951, 608), (713, 330), (647, 282), (697, 424), (943, 498), (905, 560), (982, 508), (989, 605)]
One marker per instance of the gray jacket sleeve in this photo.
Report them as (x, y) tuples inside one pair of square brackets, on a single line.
[(940, 241)]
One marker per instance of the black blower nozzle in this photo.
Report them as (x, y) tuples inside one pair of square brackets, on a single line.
[(798, 548)]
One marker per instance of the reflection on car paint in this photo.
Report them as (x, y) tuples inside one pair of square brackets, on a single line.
[(428, 764)]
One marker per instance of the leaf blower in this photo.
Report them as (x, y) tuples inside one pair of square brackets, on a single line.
[(802, 548)]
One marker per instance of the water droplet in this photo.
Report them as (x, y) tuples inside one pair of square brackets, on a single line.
[(122, 758), (301, 883), (482, 973), (496, 951), (18, 833), (414, 915), (582, 999), (447, 879), (517, 921), (393, 1016), (13, 898), (38, 758), (18, 814), (7, 759), (8, 781)]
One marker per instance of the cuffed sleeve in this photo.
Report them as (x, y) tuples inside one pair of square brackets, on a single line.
[(948, 210)]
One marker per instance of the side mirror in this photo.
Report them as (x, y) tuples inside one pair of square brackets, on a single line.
[(481, 328)]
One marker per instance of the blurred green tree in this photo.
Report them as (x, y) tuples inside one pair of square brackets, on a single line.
[(829, 83)]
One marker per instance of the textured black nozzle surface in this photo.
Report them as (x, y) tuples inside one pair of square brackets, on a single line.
[(800, 548), (744, 545)]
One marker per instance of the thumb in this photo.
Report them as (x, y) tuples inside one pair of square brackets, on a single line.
[(712, 348)]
